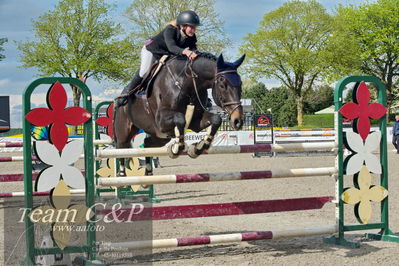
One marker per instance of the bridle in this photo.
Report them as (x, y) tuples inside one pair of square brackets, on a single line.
[(195, 75), (225, 104)]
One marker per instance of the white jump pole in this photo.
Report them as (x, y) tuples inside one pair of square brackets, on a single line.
[(233, 149), (213, 177), (102, 141)]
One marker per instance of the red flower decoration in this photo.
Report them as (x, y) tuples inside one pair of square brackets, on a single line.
[(57, 115), (361, 110), (106, 121)]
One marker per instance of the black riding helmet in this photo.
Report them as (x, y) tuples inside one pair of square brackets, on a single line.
[(188, 17)]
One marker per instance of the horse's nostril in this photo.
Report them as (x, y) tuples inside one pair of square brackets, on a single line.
[(237, 123)]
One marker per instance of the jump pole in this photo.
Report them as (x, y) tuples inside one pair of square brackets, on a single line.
[(213, 177), (11, 144), (16, 144), (36, 194), (15, 177), (135, 213), (216, 239), (162, 151)]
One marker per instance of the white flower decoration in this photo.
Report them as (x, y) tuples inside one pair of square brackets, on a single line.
[(60, 165), (363, 153)]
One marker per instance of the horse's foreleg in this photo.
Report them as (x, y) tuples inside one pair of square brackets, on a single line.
[(213, 122), (171, 121), (176, 148)]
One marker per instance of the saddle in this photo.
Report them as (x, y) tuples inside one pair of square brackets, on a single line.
[(142, 88)]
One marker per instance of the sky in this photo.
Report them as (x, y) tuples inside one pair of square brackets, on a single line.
[(240, 17)]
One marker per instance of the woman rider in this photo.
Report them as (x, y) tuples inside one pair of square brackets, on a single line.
[(174, 39)]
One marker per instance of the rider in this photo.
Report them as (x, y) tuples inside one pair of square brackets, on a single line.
[(174, 39)]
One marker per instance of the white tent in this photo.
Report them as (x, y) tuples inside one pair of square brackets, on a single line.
[(328, 110)]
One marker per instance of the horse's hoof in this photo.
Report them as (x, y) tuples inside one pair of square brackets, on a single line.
[(121, 174), (193, 151), (171, 154)]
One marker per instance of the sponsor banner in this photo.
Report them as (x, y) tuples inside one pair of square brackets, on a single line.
[(304, 133), (4, 113), (224, 138), (263, 120)]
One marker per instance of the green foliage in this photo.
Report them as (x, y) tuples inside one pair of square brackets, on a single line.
[(11, 132), (286, 114), (150, 17), (374, 29), (348, 96), (78, 39), (341, 52), (318, 99), (258, 93), (2, 41), (373, 94), (282, 104), (279, 100), (392, 117), (290, 45), (319, 121)]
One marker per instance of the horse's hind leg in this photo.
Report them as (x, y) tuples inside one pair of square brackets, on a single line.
[(213, 122), (150, 142), (124, 130)]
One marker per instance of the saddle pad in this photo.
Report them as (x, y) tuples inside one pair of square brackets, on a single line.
[(150, 75)]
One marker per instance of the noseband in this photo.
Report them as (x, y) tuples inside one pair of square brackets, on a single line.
[(225, 104), (218, 74)]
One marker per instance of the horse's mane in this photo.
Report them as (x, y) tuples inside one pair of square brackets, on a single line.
[(206, 55)]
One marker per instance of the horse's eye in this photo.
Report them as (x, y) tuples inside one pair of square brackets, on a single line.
[(221, 81)]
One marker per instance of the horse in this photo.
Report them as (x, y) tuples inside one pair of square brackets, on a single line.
[(181, 84)]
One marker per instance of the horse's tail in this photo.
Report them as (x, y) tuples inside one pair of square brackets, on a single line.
[(113, 123)]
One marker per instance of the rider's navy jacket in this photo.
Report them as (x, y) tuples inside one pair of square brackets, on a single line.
[(170, 41)]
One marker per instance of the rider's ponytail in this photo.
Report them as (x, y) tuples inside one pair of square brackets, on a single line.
[(173, 23)]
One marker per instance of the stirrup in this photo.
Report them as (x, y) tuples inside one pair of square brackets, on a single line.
[(120, 101)]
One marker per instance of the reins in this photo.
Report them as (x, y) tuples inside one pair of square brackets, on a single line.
[(194, 76)]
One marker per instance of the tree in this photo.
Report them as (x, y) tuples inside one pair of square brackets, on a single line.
[(373, 27), (283, 106), (77, 39), (257, 92), (318, 99), (150, 17), (290, 45), (279, 100), (2, 41)]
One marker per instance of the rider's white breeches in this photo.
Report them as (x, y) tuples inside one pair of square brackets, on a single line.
[(146, 61)]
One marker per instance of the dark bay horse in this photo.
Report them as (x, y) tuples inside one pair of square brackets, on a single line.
[(179, 84)]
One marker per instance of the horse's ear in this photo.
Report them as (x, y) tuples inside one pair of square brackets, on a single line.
[(220, 62), (239, 61)]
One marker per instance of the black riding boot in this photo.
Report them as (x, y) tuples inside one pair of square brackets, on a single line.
[(122, 99)]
